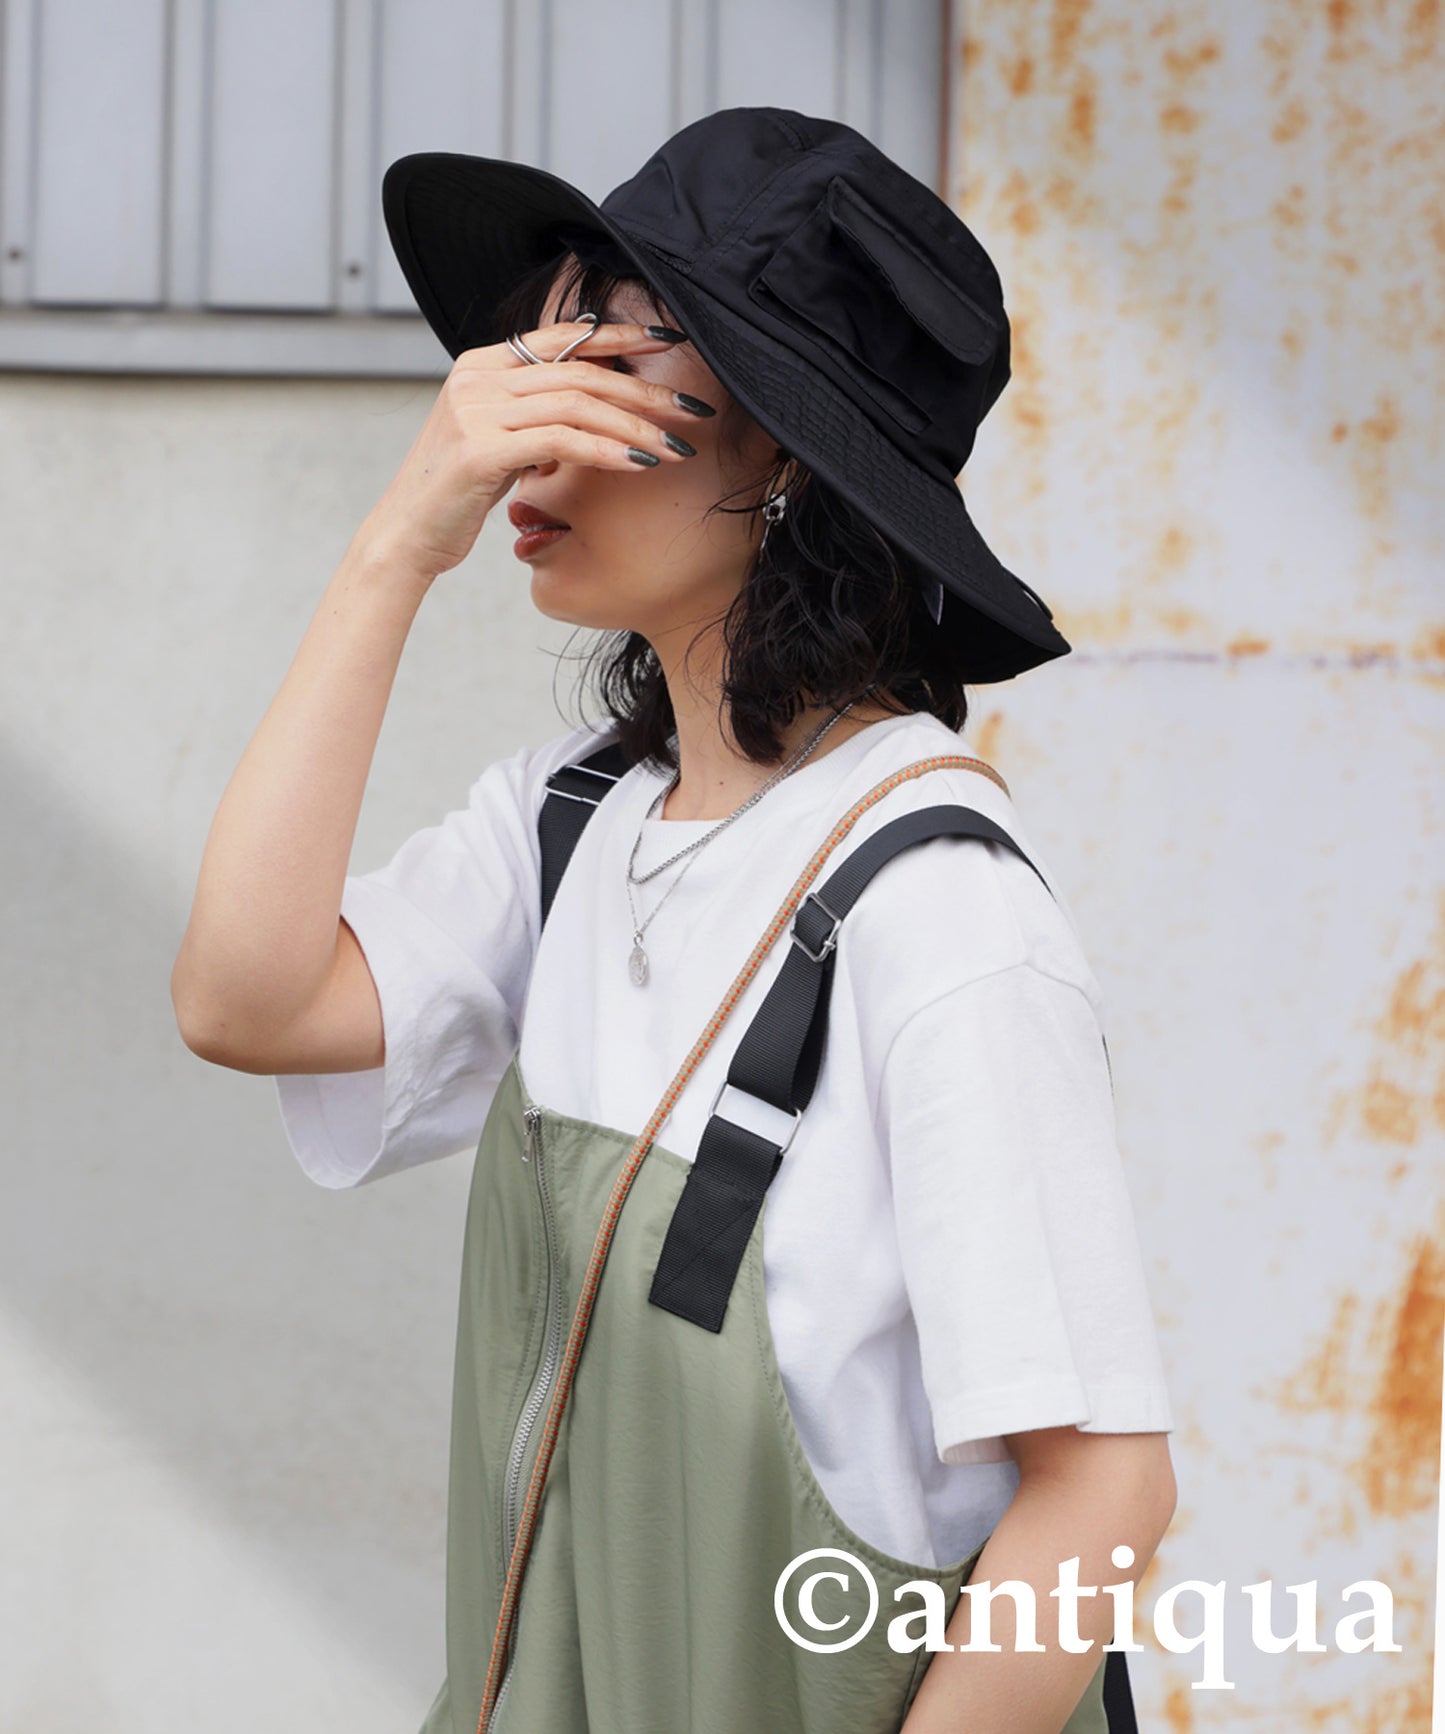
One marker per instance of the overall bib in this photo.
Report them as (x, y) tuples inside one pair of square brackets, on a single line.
[(618, 1519)]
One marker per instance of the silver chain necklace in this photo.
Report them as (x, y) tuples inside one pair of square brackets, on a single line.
[(637, 965)]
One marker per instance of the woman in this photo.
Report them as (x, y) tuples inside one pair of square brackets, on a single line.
[(731, 401)]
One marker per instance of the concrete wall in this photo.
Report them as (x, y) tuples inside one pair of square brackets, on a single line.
[(224, 1393)]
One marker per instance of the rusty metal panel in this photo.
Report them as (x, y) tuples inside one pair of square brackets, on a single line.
[(1220, 235)]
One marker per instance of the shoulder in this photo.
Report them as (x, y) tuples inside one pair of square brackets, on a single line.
[(953, 909), (517, 782), (491, 836)]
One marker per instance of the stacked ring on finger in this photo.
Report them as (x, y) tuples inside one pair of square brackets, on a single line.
[(520, 349)]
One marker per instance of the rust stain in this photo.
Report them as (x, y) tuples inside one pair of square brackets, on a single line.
[(1186, 62), (1066, 27), (1022, 214), (1422, 31), (1179, 622), (1268, 1144), (986, 737), (1388, 1375), (1399, 1709), (1128, 191), (1404, 1087), (1384, 1383), (1371, 456), (1179, 1709), (1399, 1470), (1325, 1380), (1289, 211), (1365, 653), (1083, 104), (1292, 120), (1388, 1112), (1173, 549), (1024, 404), (1099, 626), (1247, 647), (1430, 644), (1179, 117)]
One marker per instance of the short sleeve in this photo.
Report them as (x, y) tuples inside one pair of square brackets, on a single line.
[(449, 928), (1015, 1226)]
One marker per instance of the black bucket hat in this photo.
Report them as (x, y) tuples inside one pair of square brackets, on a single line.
[(843, 304)]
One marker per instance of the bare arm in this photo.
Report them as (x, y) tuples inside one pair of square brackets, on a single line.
[(1079, 1494), (269, 978)]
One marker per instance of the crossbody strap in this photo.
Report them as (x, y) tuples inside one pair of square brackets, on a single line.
[(777, 1061)]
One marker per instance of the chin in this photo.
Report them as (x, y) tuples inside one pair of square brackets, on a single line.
[(551, 597)]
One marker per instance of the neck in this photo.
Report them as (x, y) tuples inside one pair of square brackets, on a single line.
[(715, 777)]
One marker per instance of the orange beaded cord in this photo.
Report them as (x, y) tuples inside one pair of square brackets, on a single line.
[(622, 1185)]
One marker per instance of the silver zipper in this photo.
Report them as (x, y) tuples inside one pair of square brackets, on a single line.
[(551, 1354)]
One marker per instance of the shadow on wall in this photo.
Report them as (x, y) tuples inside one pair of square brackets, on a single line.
[(284, 1354)]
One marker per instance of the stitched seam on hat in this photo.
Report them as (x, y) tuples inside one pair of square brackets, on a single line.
[(761, 202), (658, 242), (740, 218)]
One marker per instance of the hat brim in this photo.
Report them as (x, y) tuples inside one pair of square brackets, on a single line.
[(465, 229)]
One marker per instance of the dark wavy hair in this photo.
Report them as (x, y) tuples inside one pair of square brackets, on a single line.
[(828, 612)]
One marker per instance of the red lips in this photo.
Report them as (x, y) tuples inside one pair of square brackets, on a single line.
[(528, 517)]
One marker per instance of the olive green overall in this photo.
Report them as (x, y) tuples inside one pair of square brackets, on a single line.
[(619, 1518)]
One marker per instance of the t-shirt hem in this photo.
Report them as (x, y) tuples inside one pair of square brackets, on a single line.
[(326, 1113), (971, 1429)]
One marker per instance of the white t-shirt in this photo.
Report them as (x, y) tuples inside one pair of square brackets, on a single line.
[(949, 1246)]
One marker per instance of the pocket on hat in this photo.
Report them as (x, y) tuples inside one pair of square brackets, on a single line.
[(841, 280)]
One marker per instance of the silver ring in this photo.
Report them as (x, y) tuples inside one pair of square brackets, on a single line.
[(519, 348)]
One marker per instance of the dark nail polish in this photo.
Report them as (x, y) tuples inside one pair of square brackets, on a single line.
[(639, 456), (666, 333), (694, 405), (678, 443)]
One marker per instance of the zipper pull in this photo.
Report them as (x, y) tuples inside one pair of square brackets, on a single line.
[(531, 1116)]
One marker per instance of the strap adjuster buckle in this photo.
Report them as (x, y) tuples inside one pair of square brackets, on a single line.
[(830, 940), (712, 1112)]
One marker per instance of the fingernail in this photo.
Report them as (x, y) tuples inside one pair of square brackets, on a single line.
[(678, 443), (694, 405), (666, 333), (639, 456)]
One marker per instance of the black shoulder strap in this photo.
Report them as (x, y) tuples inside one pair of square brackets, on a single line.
[(778, 1061), (573, 792)]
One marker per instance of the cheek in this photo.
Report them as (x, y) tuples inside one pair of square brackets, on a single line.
[(670, 501)]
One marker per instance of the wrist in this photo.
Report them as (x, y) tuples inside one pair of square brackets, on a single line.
[(373, 562)]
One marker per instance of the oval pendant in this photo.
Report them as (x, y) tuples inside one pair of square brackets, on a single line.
[(637, 965)]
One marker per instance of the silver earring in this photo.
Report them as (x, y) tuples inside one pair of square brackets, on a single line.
[(773, 509)]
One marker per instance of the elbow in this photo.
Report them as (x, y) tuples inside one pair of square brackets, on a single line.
[(185, 1003), (207, 1025), (1157, 1493), (202, 1028)]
